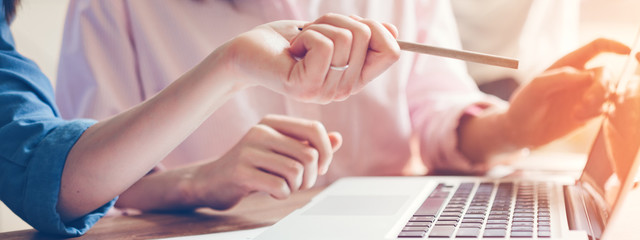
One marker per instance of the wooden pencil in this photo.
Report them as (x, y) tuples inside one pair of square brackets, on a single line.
[(459, 54)]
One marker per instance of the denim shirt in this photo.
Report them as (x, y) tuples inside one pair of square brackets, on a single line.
[(34, 144)]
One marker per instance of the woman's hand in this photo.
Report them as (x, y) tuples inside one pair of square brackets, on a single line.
[(328, 59), (279, 156), (561, 99)]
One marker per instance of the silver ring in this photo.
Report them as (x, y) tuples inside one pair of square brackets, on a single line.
[(340, 68)]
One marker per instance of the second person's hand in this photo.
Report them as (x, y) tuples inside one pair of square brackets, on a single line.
[(561, 99)]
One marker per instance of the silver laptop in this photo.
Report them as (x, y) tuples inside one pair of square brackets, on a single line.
[(479, 208)]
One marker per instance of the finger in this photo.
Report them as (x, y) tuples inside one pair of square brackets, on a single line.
[(342, 40), (275, 186), (383, 51), (581, 56), (289, 169), (315, 51), (336, 140), (594, 97), (638, 56), (306, 130), (392, 29), (304, 154), (360, 45), (561, 79)]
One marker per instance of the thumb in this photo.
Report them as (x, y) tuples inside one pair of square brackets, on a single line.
[(336, 140), (288, 29)]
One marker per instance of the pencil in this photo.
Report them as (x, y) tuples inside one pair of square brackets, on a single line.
[(459, 54)]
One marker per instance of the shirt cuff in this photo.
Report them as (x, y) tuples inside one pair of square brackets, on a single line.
[(445, 157), (44, 174)]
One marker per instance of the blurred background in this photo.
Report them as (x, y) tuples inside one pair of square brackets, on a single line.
[(535, 31)]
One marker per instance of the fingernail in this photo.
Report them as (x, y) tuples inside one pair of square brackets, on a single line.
[(356, 17)]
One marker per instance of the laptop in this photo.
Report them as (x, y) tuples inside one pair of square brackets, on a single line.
[(456, 207)]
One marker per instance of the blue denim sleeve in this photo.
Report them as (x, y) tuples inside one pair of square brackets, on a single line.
[(34, 144), (30, 188)]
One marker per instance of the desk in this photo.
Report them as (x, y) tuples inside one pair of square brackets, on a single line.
[(261, 210), (257, 210)]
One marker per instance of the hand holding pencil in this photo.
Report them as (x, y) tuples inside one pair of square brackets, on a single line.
[(329, 59)]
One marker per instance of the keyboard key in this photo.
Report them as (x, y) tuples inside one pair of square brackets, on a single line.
[(421, 219), (521, 234), (522, 224), (523, 219), (499, 212), (496, 221), (495, 233), (474, 216), (441, 231), (544, 223), (523, 214), (450, 214), (418, 224), (411, 234), (544, 228), (446, 223), (477, 212), (470, 220), (468, 232), (414, 229), (471, 225), (446, 218), (496, 226), (521, 229), (430, 207), (500, 217), (544, 234)]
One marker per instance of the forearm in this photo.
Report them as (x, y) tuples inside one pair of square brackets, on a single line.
[(166, 190), (113, 154), (481, 137)]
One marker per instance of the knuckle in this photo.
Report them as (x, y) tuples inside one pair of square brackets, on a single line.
[(280, 188), (245, 181), (246, 154), (363, 30), (326, 45), (327, 17), (294, 169), (269, 118), (343, 36), (309, 156), (259, 132), (316, 126)]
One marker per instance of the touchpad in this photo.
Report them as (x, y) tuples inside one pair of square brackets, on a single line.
[(358, 205)]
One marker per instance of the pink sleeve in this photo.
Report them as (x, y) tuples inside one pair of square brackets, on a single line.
[(97, 73), (439, 92)]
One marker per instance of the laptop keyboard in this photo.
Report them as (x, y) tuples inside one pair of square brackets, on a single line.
[(494, 211)]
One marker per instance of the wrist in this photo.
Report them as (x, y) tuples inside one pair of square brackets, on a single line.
[(507, 133), (223, 65), (186, 193), (232, 55), (485, 132)]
